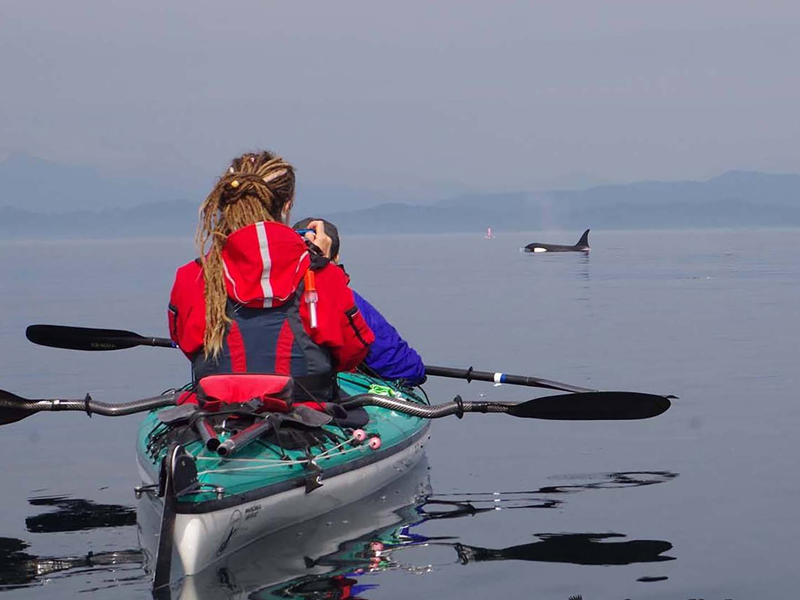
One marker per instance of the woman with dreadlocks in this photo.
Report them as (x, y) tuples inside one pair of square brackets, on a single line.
[(260, 299)]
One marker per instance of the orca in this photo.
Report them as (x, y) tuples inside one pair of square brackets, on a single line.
[(581, 246)]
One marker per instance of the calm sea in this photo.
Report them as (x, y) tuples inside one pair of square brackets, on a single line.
[(698, 503)]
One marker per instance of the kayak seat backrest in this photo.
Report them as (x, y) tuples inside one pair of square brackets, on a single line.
[(271, 393)]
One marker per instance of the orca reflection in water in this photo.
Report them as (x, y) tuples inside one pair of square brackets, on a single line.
[(581, 246), (573, 548)]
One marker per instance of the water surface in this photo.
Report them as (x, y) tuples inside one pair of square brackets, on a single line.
[(698, 503)]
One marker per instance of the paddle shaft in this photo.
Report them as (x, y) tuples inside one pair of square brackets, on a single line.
[(103, 343), (91, 407), (149, 341), (89, 339), (470, 374), (245, 436)]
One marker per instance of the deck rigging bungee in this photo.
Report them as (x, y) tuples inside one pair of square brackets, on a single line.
[(243, 424)]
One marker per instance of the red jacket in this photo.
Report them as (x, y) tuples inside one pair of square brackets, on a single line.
[(264, 265)]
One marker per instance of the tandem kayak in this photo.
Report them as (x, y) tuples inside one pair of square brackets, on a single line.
[(202, 506)]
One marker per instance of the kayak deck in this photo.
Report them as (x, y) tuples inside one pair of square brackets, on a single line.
[(263, 469)]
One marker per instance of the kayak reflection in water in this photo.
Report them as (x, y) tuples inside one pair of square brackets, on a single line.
[(361, 552), (348, 547)]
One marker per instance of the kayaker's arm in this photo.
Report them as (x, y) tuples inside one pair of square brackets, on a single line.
[(390, 356)]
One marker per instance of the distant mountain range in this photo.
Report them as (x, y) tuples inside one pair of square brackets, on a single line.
[(42, 186), (735, 199), (43, 200)]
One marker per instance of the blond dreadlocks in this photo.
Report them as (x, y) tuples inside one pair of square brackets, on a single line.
[(256, 187)]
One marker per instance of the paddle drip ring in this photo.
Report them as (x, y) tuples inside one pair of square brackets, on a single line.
[(459, 407), (469, 375), (86, 406)]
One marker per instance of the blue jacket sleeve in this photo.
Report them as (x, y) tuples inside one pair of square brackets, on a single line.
[(389, 356)]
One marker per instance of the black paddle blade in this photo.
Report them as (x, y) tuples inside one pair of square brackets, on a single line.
[(82, 338), (592, 406), (12, 408)]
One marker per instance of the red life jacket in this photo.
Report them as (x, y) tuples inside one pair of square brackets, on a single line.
[(272, 341), (264, 267)]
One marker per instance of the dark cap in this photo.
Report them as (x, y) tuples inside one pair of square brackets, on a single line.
[(330, 229)]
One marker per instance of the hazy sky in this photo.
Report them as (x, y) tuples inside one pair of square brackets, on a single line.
[(406, 96)]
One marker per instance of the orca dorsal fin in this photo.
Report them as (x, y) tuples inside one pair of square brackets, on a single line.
[(584, 241)]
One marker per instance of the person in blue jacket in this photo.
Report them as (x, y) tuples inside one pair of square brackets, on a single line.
[(389, 356)]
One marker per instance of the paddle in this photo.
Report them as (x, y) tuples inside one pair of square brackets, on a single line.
[(587, 406), (85, 338), (470, 374), (15, 408)]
